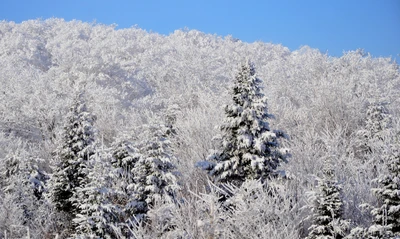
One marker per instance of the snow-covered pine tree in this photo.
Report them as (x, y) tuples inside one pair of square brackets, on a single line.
[(249, 150), (378, 122), (124, 158), (376, 131), (328, 208), (98, 215), (108, 202), (72, 157), (30, 170), (387, 215), (23, 177), (154, 172)]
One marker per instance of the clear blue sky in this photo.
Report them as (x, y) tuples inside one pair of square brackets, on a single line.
[(334, 26)]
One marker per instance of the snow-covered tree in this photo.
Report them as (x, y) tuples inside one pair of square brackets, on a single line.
[(249, 150), (99, 215), (376, 131), (11, 215), (378, 122), (123, 162), (154, 174), (72, 157), (29, 170), (328, 208), (107, 200), (124, 157), (24, 179), (387, 215)]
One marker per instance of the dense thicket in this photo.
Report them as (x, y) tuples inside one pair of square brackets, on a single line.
[(341, 108)]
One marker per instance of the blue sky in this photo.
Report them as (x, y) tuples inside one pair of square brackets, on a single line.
[(331, 26)]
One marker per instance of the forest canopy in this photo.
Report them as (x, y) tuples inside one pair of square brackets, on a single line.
[(152, 104)]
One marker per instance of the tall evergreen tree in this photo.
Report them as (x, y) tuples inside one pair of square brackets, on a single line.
[(378, 122), (377, 128), (328, 208), (124, 159), (107, 201), (249, 150), (76, 149), (99, 215), (387, 215), (154, 172)]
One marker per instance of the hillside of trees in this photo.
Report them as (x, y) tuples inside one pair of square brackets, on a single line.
[(124, 133)]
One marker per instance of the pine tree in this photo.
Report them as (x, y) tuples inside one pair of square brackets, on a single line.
[(98, 215), (73, 155), (154, 172), (124, 159), (107, 201), (387, 216), (378, 122), (29, 169), (249, 150), (376, 131), (328, 208), (24, 179)]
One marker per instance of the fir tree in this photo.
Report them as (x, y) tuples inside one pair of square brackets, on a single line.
[(124, 159), (387, 215), (328, 208), (29, 170), (24, 179), (378, 122), (154, 176), (107, 201), (99, 215), (376, 131), (249, 150), (73, 155)]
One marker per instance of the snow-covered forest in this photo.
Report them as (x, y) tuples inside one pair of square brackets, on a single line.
[(124, 133)]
